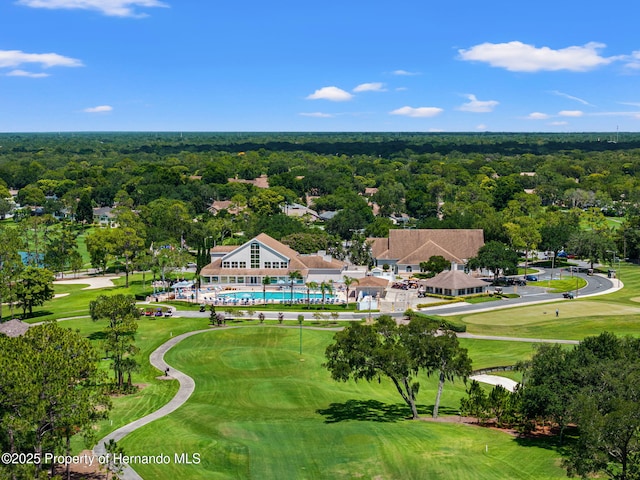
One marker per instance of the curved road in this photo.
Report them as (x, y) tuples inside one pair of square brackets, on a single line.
[(596, 285)]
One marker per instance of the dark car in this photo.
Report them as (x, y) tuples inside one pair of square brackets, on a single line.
[(531, 278), (568, 295)]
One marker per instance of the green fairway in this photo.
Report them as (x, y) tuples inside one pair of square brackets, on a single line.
[(260, 410)]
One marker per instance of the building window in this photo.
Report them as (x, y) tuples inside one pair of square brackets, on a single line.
[(283, 264), (267, 264), (225, 264), (255, 255), (243, 264), (234, 264)]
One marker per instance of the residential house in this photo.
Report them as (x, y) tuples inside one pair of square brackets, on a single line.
[(104, 216)]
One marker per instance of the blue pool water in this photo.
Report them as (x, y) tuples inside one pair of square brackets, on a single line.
[(283, 295)]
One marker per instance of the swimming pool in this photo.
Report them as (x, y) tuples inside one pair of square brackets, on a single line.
[(284, 295)]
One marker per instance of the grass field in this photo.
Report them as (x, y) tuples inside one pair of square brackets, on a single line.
[(260, 412)]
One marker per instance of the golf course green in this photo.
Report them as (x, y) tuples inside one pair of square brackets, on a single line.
[(262, 410)]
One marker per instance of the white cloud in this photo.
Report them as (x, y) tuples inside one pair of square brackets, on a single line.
[(334, 94), (15, 58), (633, 60), (478, 106), (24, 73), (482, 126), (113, 8), (370, 87), (571, 97), (537, 116), (558, 123), (419, 112), (317, 115), (520, 57), (571, 113), (401, 89), (404, 73), (98, 109)]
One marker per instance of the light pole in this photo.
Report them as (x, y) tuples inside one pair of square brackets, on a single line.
[(300, 320)]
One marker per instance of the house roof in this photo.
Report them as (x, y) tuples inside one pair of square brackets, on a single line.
[(410, 247), (453, 280), (14, 328), (302, 263), (370, 281), (260, 182)]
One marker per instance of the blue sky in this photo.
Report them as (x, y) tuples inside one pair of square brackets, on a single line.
[(284, 65)]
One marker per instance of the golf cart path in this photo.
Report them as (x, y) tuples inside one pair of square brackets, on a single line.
[(186, 388)]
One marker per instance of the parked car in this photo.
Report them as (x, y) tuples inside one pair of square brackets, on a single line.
[(531, 278), (568, 295), (168, 313)]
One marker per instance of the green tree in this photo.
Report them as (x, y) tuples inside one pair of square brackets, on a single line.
[(495, 257), (99, 246), (62, 397), (437, 350), (592, 245), (10, 265), (266, 202), (58, 251), (348, 281), (121, 313), (368, 352), (294, 277), (34, 286), (125, 244), (84, 209), (435, 264), (523, 233)]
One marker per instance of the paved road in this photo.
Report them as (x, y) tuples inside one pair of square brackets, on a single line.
[(596, 285)]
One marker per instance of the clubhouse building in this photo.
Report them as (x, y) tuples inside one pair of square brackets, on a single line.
[(405, 249), (263, 256)]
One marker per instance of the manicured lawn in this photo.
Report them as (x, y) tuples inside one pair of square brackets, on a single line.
[(616, 312), (260, 412), (154, 392)]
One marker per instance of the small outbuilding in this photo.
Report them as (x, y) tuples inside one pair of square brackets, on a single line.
[(454, 283)]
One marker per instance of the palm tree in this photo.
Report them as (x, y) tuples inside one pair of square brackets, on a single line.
[(266, 280), (348, 281), (326, 287), (323, 289), (310, 286), (293, 276)]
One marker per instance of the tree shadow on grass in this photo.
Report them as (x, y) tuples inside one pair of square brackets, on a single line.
[(34, 315), (550, 440), (97, 336), (365, 411)]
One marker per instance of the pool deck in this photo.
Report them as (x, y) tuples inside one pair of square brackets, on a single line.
[(233, 296)]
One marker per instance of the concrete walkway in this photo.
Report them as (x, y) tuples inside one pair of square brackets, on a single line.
[(187, 386)]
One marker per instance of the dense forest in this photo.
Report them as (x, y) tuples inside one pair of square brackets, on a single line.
[(526, 190)]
